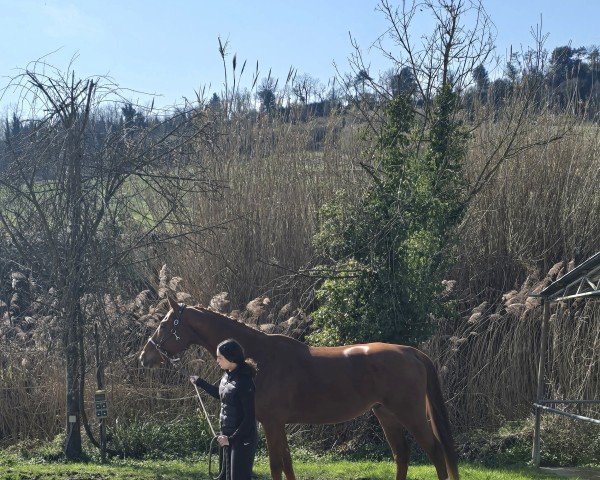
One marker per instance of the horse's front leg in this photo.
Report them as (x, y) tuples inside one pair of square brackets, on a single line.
[(280, 459)]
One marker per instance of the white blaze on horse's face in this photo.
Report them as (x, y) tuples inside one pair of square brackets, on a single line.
[(150, 355), (162, 327)]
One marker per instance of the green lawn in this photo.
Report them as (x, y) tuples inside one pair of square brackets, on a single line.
[(11, 468)]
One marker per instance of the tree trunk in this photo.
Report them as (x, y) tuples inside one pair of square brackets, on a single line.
[(72, 291), (73, 329), (73, 424)]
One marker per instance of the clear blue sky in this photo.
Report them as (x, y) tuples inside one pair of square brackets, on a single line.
[(170, 47)]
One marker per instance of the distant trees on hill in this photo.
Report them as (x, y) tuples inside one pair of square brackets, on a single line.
[(568, 78)]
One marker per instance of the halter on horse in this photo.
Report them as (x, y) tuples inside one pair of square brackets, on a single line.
[(159, 346)]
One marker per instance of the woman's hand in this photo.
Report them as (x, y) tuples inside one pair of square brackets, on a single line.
[(193, 379), (223, 440)]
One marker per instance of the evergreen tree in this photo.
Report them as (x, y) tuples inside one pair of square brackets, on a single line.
[(266, 95), (215, 103), (403, 83), (482, 81), (389, 253)]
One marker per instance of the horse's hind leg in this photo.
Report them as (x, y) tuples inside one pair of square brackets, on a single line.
[(413, 415), (424, 436), (394, 434), (280, 459)]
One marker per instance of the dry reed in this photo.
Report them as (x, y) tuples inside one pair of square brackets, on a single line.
[(541, 207)]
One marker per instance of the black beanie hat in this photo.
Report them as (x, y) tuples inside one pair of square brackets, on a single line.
[(232, 351)]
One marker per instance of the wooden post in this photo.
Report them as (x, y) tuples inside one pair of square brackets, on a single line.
[(540, 382), (100, 381)]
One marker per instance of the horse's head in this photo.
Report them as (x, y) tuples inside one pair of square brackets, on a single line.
[(170, 338)]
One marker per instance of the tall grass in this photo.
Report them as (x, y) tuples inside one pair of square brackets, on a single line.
[(540, 208), (489, 361), (278, 174), (31, 396)]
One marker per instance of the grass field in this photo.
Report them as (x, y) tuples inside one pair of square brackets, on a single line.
[(13, 469)]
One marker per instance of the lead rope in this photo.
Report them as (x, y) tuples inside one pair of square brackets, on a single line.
[(224, 471), (224, 454), (204, 410)]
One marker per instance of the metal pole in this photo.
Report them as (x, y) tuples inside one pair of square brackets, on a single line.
[(568, 414), (567, 402), (540, 383)]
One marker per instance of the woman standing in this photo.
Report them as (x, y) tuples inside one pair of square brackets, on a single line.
[(236, 392)]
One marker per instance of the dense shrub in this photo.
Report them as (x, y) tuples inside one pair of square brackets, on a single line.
[(388, 253)]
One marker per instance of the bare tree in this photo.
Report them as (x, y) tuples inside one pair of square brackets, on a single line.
[(307, 88), (461, 41), (85, 192)]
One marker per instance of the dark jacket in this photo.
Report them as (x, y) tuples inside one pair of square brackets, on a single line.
[(236, 392)]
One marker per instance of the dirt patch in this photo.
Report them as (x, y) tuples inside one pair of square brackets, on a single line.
[(579, 473)]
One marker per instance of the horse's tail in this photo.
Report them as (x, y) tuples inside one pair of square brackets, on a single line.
[(439, 418)]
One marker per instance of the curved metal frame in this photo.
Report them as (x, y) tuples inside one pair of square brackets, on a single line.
[(581, 282)]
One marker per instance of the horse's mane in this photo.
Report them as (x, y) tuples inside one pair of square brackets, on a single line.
[(209, 310), (222, 316)]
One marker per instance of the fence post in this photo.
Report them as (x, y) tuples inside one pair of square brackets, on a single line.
[(100, 382), (540, 382)]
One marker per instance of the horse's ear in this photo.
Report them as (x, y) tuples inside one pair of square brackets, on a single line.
[(172, 303)]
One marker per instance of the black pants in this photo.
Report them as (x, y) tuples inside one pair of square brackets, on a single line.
[(241, 459)]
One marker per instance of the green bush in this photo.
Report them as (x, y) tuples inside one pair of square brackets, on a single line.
[(37, 450), (388, 252), (147, 438)]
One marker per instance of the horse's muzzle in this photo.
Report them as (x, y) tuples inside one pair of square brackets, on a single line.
[(149, 358)]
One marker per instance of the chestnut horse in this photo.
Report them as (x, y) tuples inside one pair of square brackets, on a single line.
[(301, 384)]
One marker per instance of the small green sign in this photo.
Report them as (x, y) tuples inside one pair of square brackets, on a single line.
[(100, 403)]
